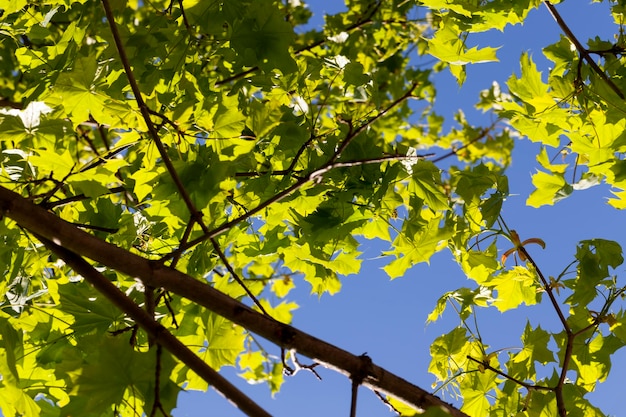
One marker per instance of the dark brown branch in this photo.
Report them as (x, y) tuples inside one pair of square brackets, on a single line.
[(4, 102), (96, 228), (101, 159), (558, 389), (58, 185), (45, 224), (154, 329), (145, 112), (157, 384), (584, 53), (182, 12), (357, 380)]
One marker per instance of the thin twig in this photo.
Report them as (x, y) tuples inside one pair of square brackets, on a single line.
[(4, 102), (584, 53), (157, 383), (483, 133), (313, 176), (80, 197), (567, 356), (236, 277), (509, 377), (183, 240), (548, 289), (182, 12), (346, 164), (354, 133), (145, 112)]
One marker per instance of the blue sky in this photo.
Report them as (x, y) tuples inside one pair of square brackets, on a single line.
[(386, 318)]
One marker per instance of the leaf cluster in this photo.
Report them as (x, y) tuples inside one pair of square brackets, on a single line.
[(235, 143)]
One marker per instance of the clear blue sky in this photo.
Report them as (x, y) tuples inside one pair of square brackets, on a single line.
[(386, 318)]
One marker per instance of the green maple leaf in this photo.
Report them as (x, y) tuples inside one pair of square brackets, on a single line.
[(91, 311), (262, 38), (515, 286), (112, 367)]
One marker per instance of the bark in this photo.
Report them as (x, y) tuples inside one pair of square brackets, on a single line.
[(45, 224)]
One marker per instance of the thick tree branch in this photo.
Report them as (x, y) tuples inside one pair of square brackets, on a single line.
[(155, 330), (45, 224)]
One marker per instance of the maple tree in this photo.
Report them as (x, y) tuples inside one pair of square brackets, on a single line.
[(171, 170)]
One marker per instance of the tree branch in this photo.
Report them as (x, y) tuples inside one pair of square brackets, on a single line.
[(314, 175), (154, 329), (548, 289), (584, 53), (5, 102), (79, 197), (145, 112), (346, 164), (510, 378), (236, 277), (45, 224), (567, 356)]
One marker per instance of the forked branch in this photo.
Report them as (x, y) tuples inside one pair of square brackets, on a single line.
[(312, 176), (62, 234), (584, 53)]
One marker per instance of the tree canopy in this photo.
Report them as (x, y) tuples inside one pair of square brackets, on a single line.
[(171, 170)]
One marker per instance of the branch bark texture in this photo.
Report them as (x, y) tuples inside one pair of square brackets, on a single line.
[(45, 224)]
